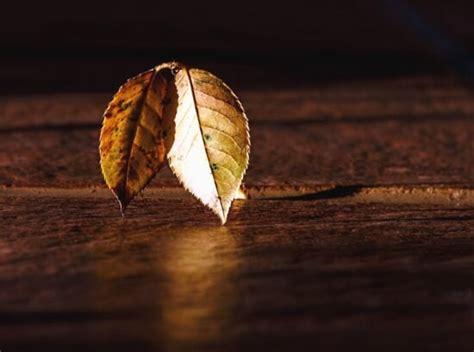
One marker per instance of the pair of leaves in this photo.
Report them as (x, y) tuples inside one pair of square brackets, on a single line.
[(187, 116)]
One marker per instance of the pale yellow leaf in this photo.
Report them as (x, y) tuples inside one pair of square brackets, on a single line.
[(208, 139)]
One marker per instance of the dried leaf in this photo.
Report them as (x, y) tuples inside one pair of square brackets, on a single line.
[(208, 140), (132, 147), (189, 115)]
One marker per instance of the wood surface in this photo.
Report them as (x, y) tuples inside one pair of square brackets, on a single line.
[(371, 249)]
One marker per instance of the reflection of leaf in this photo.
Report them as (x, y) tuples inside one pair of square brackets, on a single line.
[(210, 151), (131, 142), (188, 114), (198, 291)]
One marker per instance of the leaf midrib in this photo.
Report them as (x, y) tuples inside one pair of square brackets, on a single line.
[(138, 111), (193, 96)]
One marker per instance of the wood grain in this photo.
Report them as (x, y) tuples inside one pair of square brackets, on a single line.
[(386, 152), (348, 268), (282, 274), (418, 97), (403, 131)]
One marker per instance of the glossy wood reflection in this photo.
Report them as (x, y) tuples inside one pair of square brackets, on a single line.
[(327, 271), (200, 268)]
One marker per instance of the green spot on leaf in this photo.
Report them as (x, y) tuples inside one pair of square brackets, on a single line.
[(124, 105)]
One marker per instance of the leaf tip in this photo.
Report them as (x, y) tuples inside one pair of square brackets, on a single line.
[(222, 214), (223, 220), (123, 199), (123, 207)]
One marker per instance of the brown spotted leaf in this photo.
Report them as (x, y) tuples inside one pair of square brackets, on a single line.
[(208, 144), (132, 147)]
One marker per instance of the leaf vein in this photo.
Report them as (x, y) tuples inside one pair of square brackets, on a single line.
[(225, 134), (224, 152), (214, 97), (144, 152), (219, 113)]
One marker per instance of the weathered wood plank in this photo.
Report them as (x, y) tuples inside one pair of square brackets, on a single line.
[(283, 275), (407, 130), (385, 152), (410, 97)]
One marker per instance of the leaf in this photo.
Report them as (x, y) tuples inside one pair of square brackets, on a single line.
[(132, 147), (190, 116), (208, 143)]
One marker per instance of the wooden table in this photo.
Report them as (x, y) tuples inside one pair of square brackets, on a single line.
[(358, 234)]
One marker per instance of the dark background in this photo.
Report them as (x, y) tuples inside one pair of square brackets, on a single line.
[(95, 45), (315, 268)]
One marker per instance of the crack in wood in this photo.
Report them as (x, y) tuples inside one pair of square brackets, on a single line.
[(401, 194)]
